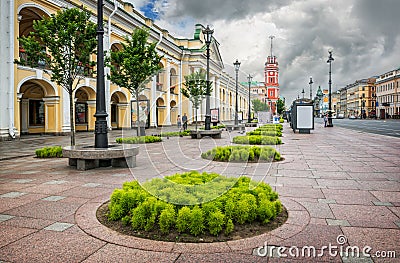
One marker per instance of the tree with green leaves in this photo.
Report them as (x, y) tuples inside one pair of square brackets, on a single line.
[(258, 105), (62, 45), (196, 89), (133, 66), (280, 105)]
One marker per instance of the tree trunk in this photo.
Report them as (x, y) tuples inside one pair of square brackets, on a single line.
[(137, 112), (72, 116), (196, 117)]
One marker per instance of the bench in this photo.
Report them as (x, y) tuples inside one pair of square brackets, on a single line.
[(216, 134), (89, 157)]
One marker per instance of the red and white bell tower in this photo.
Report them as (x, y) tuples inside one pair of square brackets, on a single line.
[(271, 75)]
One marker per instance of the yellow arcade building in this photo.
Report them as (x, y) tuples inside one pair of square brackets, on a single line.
[(30, 103)]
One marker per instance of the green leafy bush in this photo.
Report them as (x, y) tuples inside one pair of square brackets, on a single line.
[(167, 218), (235, 201), (281, 120), (175, 134), (139, 139), (242, 154), (49, 152), (222, 126), (257, 140), (266, 133)]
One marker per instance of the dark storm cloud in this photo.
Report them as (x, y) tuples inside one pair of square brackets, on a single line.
[(363, 44), (223, 9), (363, 35), (379, 18)]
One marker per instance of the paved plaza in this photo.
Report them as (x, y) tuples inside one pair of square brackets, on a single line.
[(341, 188)]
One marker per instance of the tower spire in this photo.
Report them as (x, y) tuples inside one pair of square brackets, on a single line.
[(271, 37)]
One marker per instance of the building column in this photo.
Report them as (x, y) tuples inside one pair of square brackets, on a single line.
[(7, 91), (66, 126), (24, 115), (50, 109), (91, 111), (217, 93), (123, 113), (153, 104), (168, 102)]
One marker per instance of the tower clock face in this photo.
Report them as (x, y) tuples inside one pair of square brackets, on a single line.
[(271, 73)]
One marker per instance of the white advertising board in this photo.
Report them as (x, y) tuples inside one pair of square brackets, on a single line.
[(305, 117)]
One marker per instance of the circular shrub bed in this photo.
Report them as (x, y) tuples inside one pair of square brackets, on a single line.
[(266, 133), (139, 139), (268, 130), (194, 207), (242, 154), (257, 140)]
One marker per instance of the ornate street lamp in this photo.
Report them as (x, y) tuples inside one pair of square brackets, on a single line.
[(208, 36), (100, 131), (330, 59), (237, 66), (362, 107), (249, 77), (311, 82)]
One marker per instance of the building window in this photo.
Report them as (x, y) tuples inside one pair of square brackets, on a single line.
[(36, 113), (81, 113)]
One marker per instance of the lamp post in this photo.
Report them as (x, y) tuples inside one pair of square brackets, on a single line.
[(249, 77), (208, 36), (330, 59), (362, 107), (100, 132), (311, 82), (303, 93), (237, 66)]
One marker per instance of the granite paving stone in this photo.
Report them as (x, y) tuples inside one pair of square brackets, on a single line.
[(365, 216), (58, 226), (347, 196), (5, 217), (326, 186)]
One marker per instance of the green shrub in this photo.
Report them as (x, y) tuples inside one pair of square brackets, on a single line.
[(167, 218), (242, 154), (216, 222), (257, 140), (234, 201), (229, 227), (197, 223), (175, 134), (49, 152), (266, 133), (281, 120), (140, 139), (221, 126), (184, 219)]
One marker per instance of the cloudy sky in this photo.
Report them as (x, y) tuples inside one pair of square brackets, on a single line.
[(363, 34)]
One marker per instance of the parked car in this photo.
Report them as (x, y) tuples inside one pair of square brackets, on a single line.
[(340, 116), (352, 117)]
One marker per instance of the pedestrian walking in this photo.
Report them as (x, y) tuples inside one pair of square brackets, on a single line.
[(184, 120), (325, 120), (179, 122)]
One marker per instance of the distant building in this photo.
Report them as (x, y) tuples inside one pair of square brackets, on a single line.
[(387, 94), (271, 76)]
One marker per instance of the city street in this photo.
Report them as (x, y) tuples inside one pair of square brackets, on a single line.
[(383, 127)]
